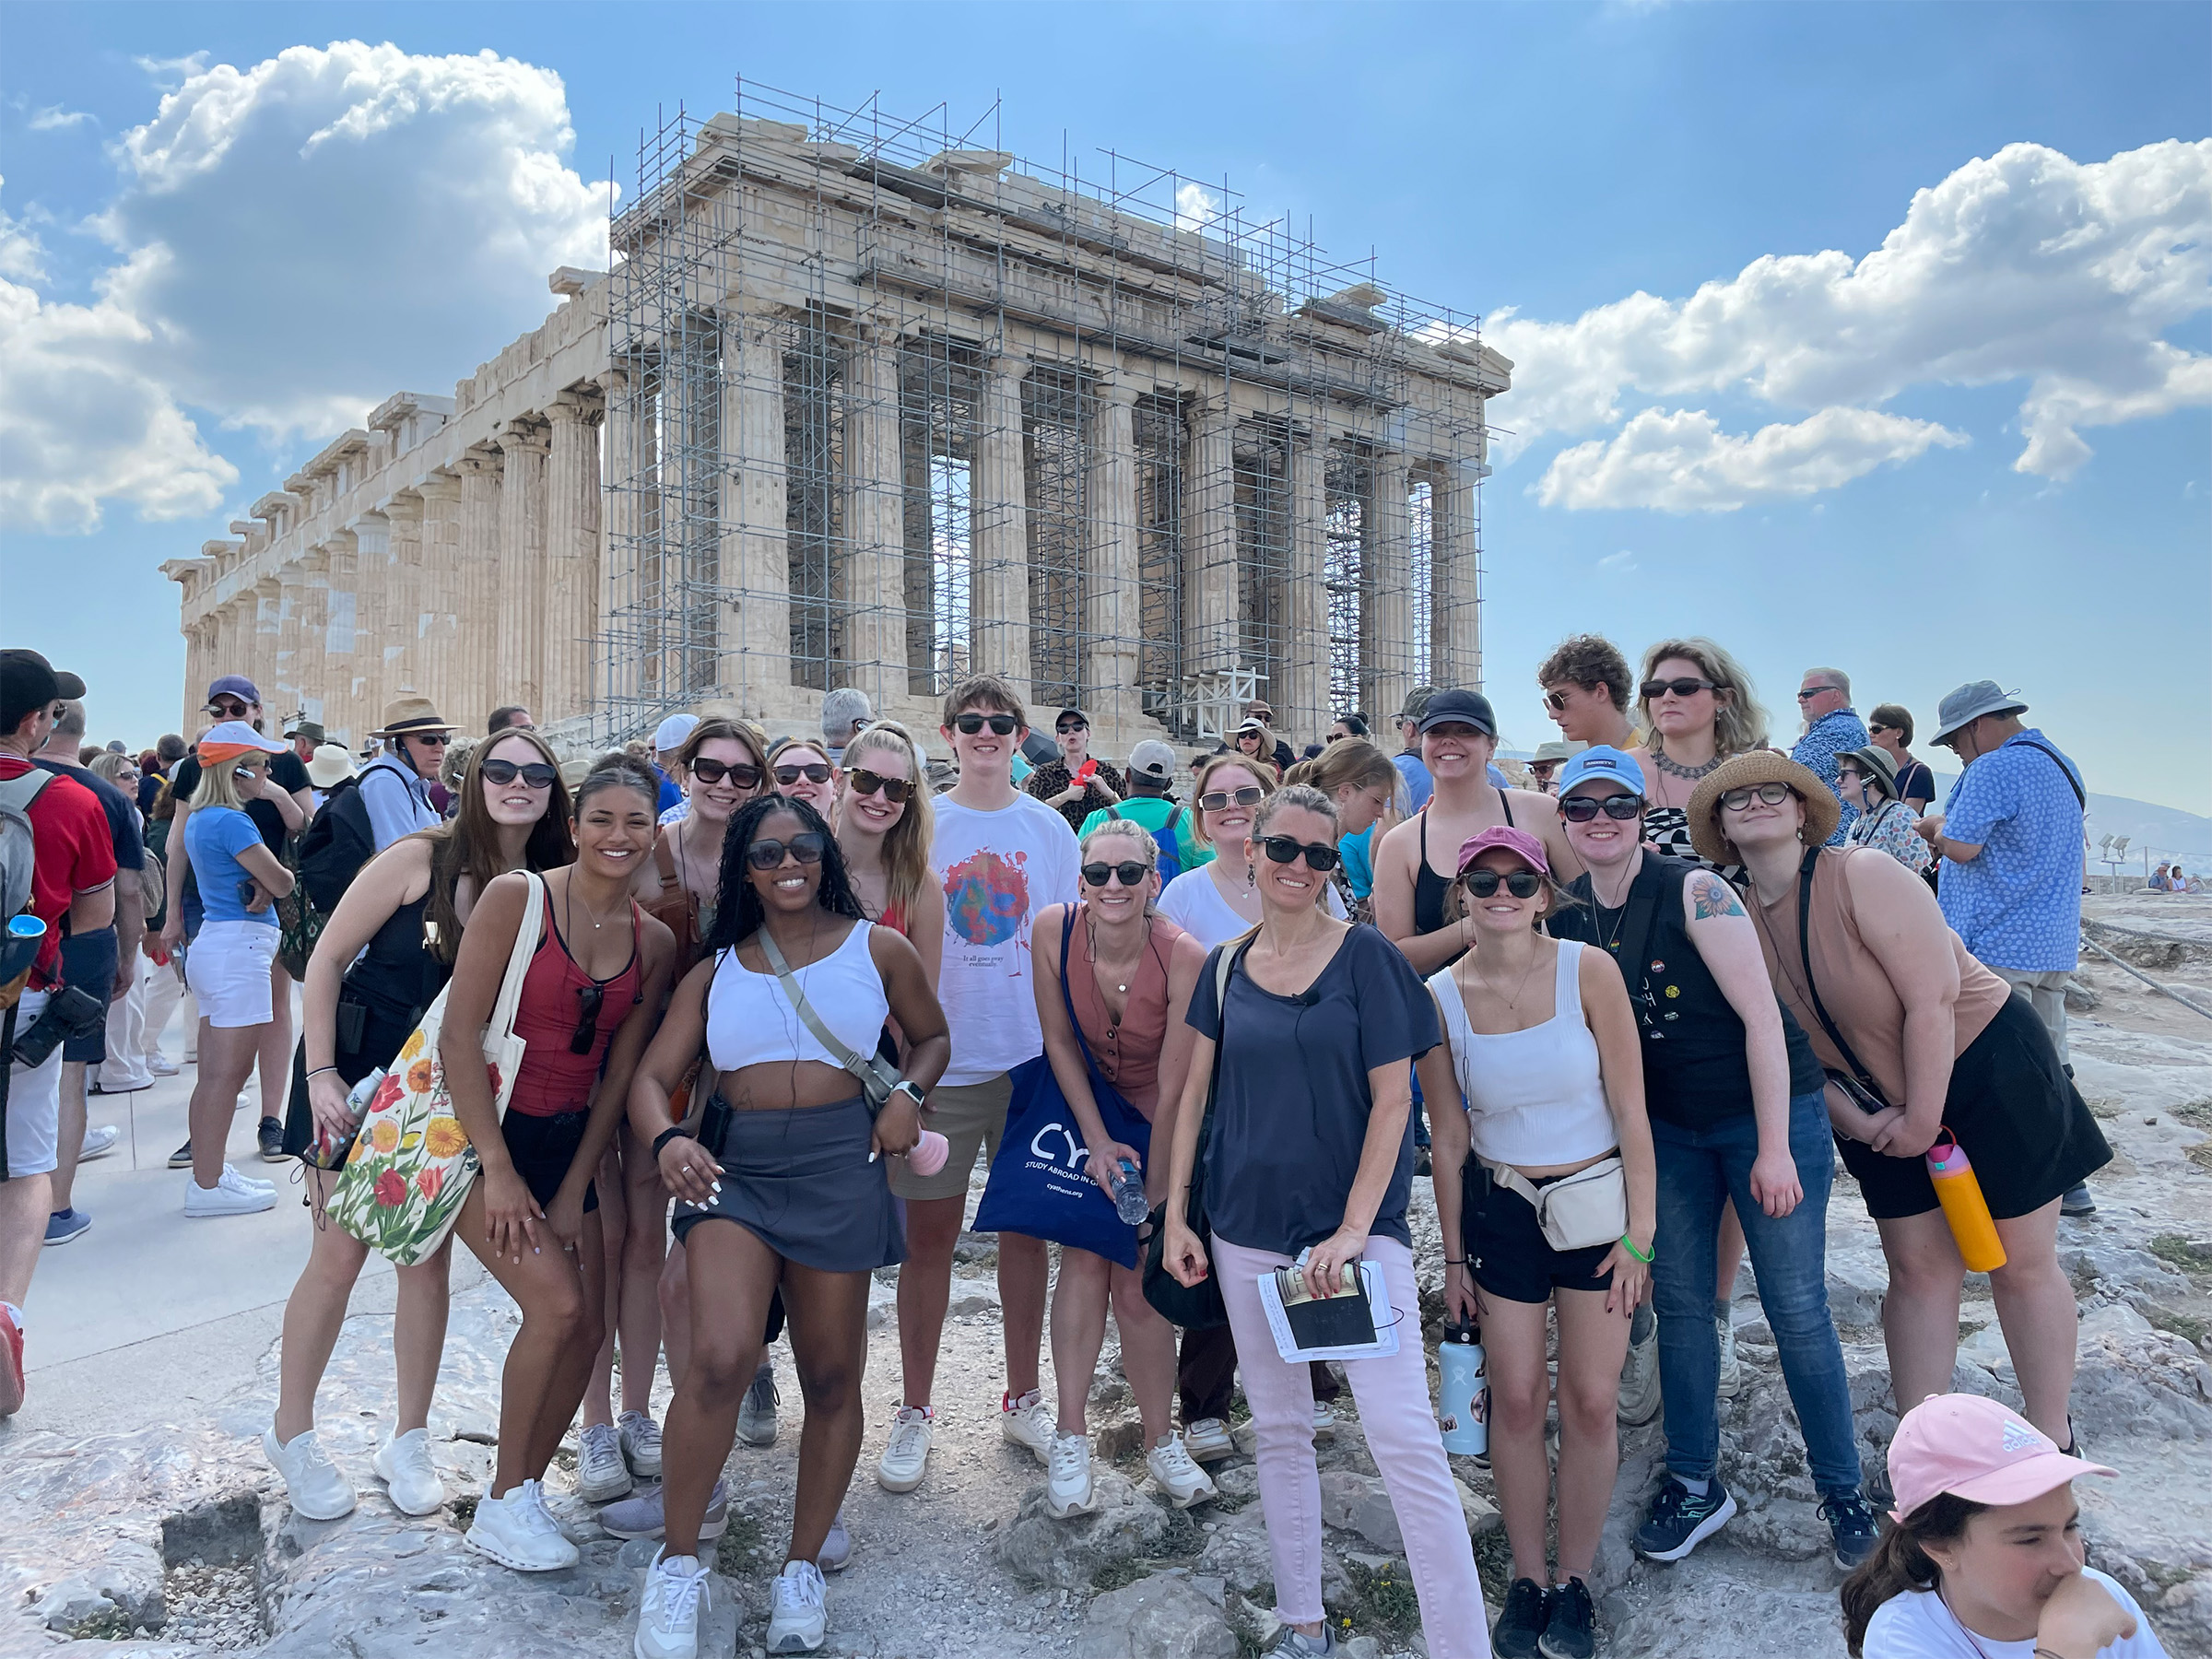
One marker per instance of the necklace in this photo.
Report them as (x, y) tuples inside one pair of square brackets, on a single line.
[(1690, 773), (1512, 1002), (1972, 1640), (568, 898), (1090, 929)]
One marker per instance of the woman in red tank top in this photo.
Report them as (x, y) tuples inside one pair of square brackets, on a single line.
[(883, 829), (595, 983)]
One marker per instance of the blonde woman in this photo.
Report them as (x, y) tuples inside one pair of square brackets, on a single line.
[(883, 825), (1697, 708), (800, 769)]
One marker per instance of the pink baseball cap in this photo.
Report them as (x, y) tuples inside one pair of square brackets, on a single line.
[(1519, 842), (1977, 1449)]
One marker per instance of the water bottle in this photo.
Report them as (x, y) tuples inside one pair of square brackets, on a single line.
[(1464, 1416), (929, 1153), (1129, 1201), (1959, 1193), (26, 937)]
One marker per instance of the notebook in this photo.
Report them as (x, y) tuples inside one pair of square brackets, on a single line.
[(1352, 1325)]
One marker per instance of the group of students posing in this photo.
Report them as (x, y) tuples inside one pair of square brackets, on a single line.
[(1610, 1019)]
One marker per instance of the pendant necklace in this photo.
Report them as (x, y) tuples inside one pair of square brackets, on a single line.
[(597, 922), (1512, 1002)]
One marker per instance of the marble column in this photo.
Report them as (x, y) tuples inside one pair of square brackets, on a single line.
[(998, 519), (1211, 601), (233, 627), (1455, 632), (403, 597), (476, 591), (521, 648), (1109, 599), (1386, 641), (262, 663), (1302, 704), (293, 666), (373, 619), (571, 560), (436, 644), (341, 631), (615, 596), (314, 614), (875, 563), (199, 653), (754, 633)]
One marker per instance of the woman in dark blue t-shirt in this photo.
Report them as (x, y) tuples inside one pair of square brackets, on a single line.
[(1311, 1149)]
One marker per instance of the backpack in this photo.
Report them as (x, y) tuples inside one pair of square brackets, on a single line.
[(19, 846), (1171, 852), (323, 860)]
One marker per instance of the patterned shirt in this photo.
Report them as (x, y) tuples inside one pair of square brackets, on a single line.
[(1835, 733), (2018, 905), (1889, 828)]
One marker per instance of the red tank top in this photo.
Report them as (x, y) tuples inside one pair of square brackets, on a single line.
[(552, 1079)]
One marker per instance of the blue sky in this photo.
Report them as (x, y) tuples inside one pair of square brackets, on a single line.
[(1537, 164)]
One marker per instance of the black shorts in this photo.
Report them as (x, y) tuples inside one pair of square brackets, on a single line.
[(89, 960), (543, 1149), (1507, 1249), (2021, 1123), (369, 1036)]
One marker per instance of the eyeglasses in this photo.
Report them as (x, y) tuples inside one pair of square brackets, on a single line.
[(864, 783), (1131, 874), (1581, 809), (1002, 725), (1520, 884), (1218, 799), (743, 773), (1774, 794), (1686, 687), (808, 847), (590, 997), (813, 771), (1282, 850), (1812, 691), (536, 774)]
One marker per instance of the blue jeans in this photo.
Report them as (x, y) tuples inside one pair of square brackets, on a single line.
[(1699, 1170)]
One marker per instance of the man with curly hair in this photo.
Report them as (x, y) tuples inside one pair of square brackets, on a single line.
[(1587, 687)]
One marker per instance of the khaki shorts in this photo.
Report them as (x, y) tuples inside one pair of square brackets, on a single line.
[(970, 1116)]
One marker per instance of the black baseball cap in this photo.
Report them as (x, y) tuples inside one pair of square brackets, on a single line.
[(29, 681), (1459, 708)]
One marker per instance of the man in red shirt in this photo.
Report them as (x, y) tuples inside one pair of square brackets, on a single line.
[(73, 880)]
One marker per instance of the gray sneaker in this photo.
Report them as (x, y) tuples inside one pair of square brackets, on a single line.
[(757, 1417), (642, 1515), (1291, 1646), (837, 1546), (1640, 1399)]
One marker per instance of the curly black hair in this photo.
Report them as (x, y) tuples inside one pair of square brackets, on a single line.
[(738, 912)]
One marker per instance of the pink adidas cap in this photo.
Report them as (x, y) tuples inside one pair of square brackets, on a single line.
[(1519, 842), (1976, 1448)]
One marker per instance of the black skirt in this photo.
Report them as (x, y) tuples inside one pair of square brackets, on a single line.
[(2025, 1128), (368, 1038)]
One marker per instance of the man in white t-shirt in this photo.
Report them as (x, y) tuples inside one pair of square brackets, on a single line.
[(1002, 856)]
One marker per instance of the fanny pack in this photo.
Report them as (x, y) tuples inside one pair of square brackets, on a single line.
[(1577, 1211)]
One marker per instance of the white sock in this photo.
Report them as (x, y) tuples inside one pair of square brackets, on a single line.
[(13, 1312), (1697, 1489)]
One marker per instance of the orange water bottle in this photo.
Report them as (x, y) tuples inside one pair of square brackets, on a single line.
[(1963, 1207)]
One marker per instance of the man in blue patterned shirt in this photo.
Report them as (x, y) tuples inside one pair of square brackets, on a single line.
[(1832, 728)]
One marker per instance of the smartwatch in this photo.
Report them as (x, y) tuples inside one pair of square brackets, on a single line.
[(908, 1088)]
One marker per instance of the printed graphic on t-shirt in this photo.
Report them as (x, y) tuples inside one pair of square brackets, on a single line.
[(988, 898)]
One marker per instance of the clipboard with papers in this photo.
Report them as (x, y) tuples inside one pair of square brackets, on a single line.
[(1347, 1326)]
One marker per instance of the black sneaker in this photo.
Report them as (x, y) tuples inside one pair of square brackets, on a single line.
[(1850, 1521), (181, 1158), (1679, 1522), (1571, 1632), (2078, 1201), (271, 1136), (1521, 1626)]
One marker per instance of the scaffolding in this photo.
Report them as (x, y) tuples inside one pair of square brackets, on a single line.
[(888, 410)]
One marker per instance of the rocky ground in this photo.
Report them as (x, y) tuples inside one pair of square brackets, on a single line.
[(175, 1540)]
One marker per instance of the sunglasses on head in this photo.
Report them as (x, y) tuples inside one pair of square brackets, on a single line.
[(1654, 689), (1131, 874), (536, 774), (1581, 809), (1520, 884), (590, 997), (813, 771), (807, 847), (862, 781), (1001, 724), (743, 774), (1283, 849), (1215, 800), (1774, 794)]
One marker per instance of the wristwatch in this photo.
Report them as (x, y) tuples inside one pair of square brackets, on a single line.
[(908, 1088)]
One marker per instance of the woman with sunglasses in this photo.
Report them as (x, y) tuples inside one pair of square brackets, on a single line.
[(1697, 709), (595, 981), (883, 825), (800, 769), (1932, 1042), (1310, 1166), (381, 960), (1259, 747), (794, 1199), (1866, 780), (1553, 1085), (1129, 978), (1055, 783)]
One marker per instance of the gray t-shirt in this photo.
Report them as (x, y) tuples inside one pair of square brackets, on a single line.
[(1290, 1114)]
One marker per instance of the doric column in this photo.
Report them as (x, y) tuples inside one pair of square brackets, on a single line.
[(1386, 643), (374, 617), (341, 682), (292, 665), (874, 572), (318, 697), (436, 642), (615, 598), (403, 597), (1210, 541), (233, 629), (571, 560), (268, 625), (1456, 630), (1302, 704), (755, 642), (999, 528), (477, 589), (199, 652), (522, 589), (1109, 591)]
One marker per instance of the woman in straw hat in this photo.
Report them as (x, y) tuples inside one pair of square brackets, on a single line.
[(1918, 1038), (396, 786)]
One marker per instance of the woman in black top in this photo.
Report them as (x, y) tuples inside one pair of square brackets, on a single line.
[(405, 909)]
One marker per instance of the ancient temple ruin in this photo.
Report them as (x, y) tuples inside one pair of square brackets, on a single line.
[(859, 403)]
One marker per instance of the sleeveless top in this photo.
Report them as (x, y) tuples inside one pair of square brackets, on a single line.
[(1533, 1096), (1854, 987), (750, 1021), (1428, 888), (1127, 1054), (398, 974), (1668, 829), (552, 1079), (685, 914)]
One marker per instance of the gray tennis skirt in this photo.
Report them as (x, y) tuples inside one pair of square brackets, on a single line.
[(800, 1182)]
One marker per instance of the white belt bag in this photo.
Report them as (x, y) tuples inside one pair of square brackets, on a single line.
[(1590, 1207)]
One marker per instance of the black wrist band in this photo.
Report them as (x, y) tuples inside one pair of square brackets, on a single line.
[(316, 1071), (665, 1135)]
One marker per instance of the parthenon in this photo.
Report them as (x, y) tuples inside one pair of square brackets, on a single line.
[(857, 404)]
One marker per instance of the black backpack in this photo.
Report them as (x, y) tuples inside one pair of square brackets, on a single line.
[(326, 858)]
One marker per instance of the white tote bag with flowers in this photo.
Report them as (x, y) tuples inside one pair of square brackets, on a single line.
[(411, 1165)]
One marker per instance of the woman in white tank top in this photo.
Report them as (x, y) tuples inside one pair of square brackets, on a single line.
[(1542, 1046)]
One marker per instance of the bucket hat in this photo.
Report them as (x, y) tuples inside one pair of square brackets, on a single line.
[(1973, 701)]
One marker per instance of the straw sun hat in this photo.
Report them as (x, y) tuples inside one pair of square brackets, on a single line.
[(1823, 812)]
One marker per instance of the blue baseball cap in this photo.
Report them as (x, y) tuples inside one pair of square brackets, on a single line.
[(1607, 765)]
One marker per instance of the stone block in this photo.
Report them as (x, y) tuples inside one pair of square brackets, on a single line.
[(1064, 1555), (1164, 1614), (1857, 1280), (1357, 1504)]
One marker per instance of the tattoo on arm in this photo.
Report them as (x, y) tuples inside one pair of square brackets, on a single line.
[(1712, 896)]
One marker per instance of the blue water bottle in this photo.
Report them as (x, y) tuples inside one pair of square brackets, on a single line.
[(1465, 1413)]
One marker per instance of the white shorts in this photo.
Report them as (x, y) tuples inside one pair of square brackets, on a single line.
[(35, 1101), (228, 969)]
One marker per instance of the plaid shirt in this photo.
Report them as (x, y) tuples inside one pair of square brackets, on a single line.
[(1835, 733)]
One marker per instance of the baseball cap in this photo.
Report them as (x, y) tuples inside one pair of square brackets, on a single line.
[(1153, 758), (234, 684), (1519, 842), (29, 681), (1603, 762), (1976, 1448), (228, 739), (1417, 703), (1065, 715), (1459, 708), (670, 734)]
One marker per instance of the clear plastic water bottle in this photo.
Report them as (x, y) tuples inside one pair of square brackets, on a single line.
[(1129, 1201)]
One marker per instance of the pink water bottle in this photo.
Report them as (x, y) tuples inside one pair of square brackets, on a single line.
[(929, 1153)]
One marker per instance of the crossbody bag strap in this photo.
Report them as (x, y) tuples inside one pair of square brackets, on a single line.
[(1067, 998), (1636, 921), (1224, 969), (1804, 950), (527, 942), (870, 1069), (2065, 771)]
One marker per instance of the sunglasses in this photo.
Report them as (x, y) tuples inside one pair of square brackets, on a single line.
[(1072, 725), (1131, 874), (1520, 884), (226, 710), (435, 739), (1556, 702), (1001, 724), (1812, 691), (1282, 850), (813, 771), (1214, 801), (1581, 809), (807, 847), (1845, 775), (1654, 689), (590, 997), (743, 773), (862, 781), (1774, 794), (536, 774)]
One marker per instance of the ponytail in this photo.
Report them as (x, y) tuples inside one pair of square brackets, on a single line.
[(1900, 1564)]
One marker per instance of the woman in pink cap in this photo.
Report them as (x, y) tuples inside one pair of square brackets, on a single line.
[(1982, 1557)]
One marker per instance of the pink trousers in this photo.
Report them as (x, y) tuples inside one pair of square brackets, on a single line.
[(1400, 1422)]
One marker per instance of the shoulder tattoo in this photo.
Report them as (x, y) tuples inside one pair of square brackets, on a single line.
[(1712, 896)]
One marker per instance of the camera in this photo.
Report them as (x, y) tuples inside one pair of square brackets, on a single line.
[(70, 1012)]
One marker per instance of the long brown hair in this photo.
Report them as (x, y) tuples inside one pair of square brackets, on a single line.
[(1899, 1564), (1349, 761), (469, 845), (906, 845)]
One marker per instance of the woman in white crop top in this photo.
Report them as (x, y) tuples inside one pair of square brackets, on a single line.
[(794, 1197), (1542, 1046)]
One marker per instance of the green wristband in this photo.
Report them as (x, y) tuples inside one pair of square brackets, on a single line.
[(1629, 1244)]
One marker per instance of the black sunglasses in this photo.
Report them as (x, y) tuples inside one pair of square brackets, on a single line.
[(1066, 726), (1283, 849), (813, 771), (1654, 689), (1002, 724), (1581, 809), (1812, 691), (591, 997), (1520, 884), (536, 774), (1131, 874), (807, 847), (743, 774), (1215, 800), (865, 782), (1774, 794)]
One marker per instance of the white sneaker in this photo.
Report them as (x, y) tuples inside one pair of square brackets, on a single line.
[(518, 1531), (669, 1615), (1325, 1420), (1174, 1472), (1640, 1398), (403, 1463), (230, 1195), (799, 1622), (907, 1455), (1027, 1422), (99, 1142), (1067, 1489), (601, 1475), (641, 1444), (757, 1412), (1732, 1371), (161, 1065), (1208, 1439), (310, 1480)]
